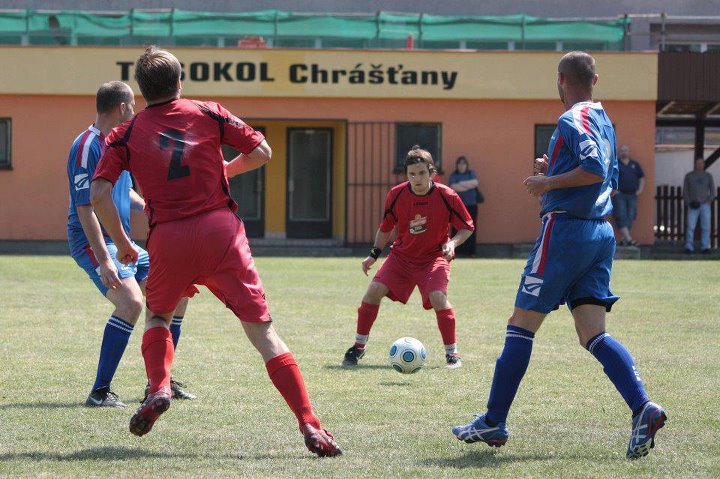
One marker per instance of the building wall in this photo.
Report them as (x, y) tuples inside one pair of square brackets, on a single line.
[(496, 136), (488, 115)]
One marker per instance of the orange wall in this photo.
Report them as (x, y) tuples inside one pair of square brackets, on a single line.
[(497, 136)]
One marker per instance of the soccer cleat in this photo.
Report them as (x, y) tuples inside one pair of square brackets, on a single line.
[(104, 397), (479, 430), (177, 391), (644, 426), (319, 441), (452, 361), (352, 356), (151, 409)]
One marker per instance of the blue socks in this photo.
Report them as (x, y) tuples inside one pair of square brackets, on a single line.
[(620, 368), (509, 371), (115, 339), (176, 329)]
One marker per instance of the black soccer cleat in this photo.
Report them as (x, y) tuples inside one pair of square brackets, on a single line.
[(177, 391), (104, 397), (319, 441), (352, 356), (453, 361)]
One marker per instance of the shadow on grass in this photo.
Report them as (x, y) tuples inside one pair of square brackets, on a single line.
[(120, 454), (356, 368), (482, 458), (42, 405)]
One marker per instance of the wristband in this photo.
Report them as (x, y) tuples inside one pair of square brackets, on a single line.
[(375, 252)]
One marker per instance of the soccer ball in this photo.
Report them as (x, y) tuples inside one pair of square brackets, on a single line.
[(407, 355)]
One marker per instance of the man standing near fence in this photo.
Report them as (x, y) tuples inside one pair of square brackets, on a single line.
[(631, 182), (698, 193)]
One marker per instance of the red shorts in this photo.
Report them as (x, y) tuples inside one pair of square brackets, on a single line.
[(401, 277), (209, 249)]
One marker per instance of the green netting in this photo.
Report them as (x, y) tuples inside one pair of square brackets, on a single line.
[(380, 28)]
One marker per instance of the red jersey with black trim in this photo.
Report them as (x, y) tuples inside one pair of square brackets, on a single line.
[(423, 222), (173, 150)]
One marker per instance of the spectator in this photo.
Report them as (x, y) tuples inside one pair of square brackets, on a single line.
[(698, 193), (464, 181), (631, 181)]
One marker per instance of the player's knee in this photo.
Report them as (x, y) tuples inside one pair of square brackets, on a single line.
[(134, 306), (374, 294), (438, 300)]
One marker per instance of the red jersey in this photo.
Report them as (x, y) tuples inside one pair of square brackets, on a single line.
[(173, 149), (423, 222)]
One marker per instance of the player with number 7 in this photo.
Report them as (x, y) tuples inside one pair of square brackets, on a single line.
[(173, 148)]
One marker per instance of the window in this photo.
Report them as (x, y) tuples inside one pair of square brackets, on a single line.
[(427, 135), (343, 43), (683, 47), (5, 139), (543, 133), (289, 42), (547, 46), (440, 44)]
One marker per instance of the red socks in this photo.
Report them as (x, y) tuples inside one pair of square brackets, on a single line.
[(367, 313), (446, 323), (286, 376), (158, 352)]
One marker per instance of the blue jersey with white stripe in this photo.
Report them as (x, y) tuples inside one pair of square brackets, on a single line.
[(584, 138), (83, 159)]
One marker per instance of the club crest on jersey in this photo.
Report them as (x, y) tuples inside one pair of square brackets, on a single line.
[(418, 225), (82, 182), (532, 286)]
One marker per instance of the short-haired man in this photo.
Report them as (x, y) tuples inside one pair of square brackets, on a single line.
[(173, 148), (698, 193), (571, 262), (94, 251), (631, 182), (422, 211)]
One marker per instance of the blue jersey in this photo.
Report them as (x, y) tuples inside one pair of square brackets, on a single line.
[(82, 161), (584, 138)]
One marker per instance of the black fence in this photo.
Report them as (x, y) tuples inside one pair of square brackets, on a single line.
[(370, 165), (671, 217)]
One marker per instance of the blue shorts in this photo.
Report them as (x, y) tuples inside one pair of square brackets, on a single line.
[(85, 258), (570, 263)]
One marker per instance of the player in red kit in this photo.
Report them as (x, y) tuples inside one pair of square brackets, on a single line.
[(422, 211), (173, 149)]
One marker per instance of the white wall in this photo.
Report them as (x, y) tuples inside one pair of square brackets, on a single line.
[(672, 163)]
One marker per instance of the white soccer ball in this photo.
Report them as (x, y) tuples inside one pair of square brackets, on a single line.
[(407, 355)]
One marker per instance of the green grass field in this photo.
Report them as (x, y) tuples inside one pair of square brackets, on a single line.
[(567, 421)]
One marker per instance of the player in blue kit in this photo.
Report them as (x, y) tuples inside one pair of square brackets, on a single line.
[(571, 262), (93, 250)]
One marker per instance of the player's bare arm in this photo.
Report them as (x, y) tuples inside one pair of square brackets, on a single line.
[(101, 198), (136, 201), (538, 185), (253, 160), (448, 249), (381, 239), (93, 233)]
